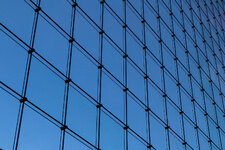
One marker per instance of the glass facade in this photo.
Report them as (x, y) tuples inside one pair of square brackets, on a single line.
[(112, 74)]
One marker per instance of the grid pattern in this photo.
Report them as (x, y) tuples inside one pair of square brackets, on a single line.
[(112, 74)]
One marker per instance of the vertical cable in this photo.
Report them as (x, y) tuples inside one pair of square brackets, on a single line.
[(177, 74), (218, 38), (200, 73), (146, 77), (189, 74), (125, 73), (163, 76), (67, 81), (100, 73), (26, 77), (221, 53), (214, 103)]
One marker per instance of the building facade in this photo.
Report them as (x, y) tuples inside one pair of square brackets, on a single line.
[(112, 74)]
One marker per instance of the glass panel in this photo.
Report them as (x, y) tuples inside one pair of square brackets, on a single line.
[(9, 108), (73, 143), (137, 117), (174, 118), (201, 120), (137, 4), (204, 144), (168, 60), (134, 143), (84, 72), (81, 115), (112, 134), (172, 89), (37, 132), (92, 9), (60, 11), (18, 17), (117, 6), (134, 22), (113, 64), (223, 139), (113, 28), (12, 63), (187, 105), (159, 142), (210, 108), (190, 134), (175, 143), (156, 101), (135, 82), (85, 33), (135, 51), (184, 79), (112, 97), (45, 89), (214, 133), (154, 71), (51, 44)]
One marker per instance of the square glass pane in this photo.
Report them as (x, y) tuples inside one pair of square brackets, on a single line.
[(45, 89), (84, 72), (51, 45), (92, 9), (117, 6), (17, 16), (60, 11), (13, 60)]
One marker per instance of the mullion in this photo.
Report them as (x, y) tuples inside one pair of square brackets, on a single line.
[(100, 66), (67, 82), (177, 74), (148, 130), (26, 77), (163, 86), (125, 75)]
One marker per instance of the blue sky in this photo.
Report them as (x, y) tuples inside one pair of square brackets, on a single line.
[(46, 85)]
